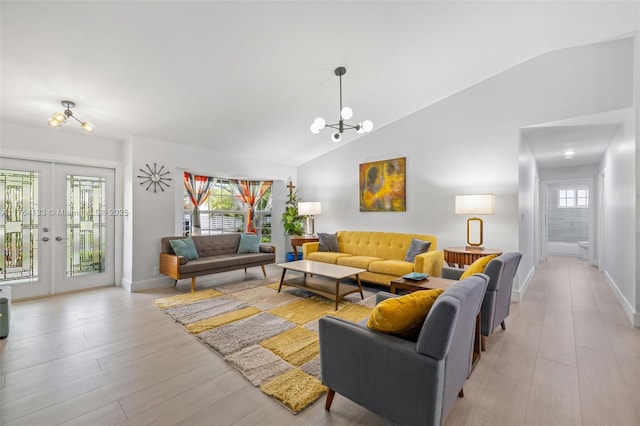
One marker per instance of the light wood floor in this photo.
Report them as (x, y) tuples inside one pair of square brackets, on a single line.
[(568, 357)]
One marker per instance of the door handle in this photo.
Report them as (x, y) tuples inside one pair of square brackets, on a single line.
[(45, 239)]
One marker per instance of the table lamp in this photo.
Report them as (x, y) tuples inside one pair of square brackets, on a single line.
[(308, 209), (475, 205)]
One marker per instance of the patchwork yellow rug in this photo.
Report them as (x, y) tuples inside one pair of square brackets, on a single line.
[(270, 337)]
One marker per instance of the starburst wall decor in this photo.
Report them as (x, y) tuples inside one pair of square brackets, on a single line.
[(154, 177)]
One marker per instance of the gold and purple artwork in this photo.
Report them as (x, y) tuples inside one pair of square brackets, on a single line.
[(382, 186)]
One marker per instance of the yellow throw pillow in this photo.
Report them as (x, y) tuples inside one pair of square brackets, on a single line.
[(404, 315), (477, 266)]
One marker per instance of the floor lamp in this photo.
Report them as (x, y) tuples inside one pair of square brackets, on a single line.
[(309, 209), (475, 205)]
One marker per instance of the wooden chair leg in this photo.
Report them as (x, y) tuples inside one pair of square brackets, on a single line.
[(193, 284), (483, 344), (461, 393), (330, 395), (264, 271), (504, 327)]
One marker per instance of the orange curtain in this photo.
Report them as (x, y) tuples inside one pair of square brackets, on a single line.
[(250, 192), (199, 189)]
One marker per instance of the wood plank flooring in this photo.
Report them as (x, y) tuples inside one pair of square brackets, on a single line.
[(106, 357)]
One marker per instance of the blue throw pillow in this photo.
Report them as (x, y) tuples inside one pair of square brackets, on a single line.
[(249, 243), (417, 247), (184, 247)]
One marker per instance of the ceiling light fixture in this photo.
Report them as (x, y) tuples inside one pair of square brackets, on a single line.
[(345, 114), (568, 154), (58, 118)]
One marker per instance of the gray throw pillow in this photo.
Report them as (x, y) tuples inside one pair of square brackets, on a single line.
[(417, 247), (328, 242)]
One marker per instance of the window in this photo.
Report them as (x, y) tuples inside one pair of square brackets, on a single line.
[(573, 198), (223, 213)]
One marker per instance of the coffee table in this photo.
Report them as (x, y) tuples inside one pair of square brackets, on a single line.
[(314, 278), (443, 283)]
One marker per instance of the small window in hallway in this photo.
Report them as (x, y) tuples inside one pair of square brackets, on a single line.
[(573, 198)]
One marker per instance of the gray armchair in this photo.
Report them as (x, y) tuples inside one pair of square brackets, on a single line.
[(405, 382), (497, 300)]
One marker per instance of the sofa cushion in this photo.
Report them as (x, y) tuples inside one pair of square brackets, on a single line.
[(477, 266), (328, 242), (357, 261), (249, 243), (396, 268), (224, 261), (326, 256), (404, 315), (184, 247), (417, 247)]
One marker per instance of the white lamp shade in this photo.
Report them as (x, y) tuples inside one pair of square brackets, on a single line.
[(475, 204), (309, 208)]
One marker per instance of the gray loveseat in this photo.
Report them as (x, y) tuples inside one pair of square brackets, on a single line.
[(217, 253), (406, 382)]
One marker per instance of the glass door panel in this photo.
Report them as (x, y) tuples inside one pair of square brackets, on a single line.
[(86, 227), (24, 227)]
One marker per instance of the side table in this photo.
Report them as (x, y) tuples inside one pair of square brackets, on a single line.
[(460, 256), (443, 283), (298, 241)]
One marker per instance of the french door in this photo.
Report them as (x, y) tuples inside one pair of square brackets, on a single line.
[(56, 227)]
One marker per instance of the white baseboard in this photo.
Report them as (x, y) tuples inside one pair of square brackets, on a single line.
[(517, 295), (126, 284), (634, 317), (148, 284)]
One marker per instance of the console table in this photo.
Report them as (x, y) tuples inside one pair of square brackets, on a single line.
[(460, 256), (298, 241)]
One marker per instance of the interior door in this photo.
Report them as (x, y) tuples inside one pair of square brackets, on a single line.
[(84, 227), (56, 228), (25, 227)]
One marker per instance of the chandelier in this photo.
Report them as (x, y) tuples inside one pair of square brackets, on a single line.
[(58, 118), (345, 114)]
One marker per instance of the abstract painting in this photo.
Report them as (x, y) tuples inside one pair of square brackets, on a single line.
[(382, 186)]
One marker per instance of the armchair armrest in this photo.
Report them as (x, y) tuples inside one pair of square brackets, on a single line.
[(430, 263), (451, 272), (308, 248), (383, 295)]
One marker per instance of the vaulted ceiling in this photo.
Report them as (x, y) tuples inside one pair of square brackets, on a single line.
[(251, 76)]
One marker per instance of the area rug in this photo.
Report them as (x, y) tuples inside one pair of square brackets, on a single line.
[(270, 337)]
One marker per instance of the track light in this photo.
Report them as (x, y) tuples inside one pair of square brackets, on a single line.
[(59, 118), (345, 114)]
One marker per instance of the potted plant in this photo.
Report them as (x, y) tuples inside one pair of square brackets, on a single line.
[(292, 222)]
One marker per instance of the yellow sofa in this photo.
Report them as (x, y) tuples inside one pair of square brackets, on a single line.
[(380, 253)]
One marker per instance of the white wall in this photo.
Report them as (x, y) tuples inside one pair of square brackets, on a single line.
[(469, 143), (619, 166), (157, 215), (637, 135), (527, 228)]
